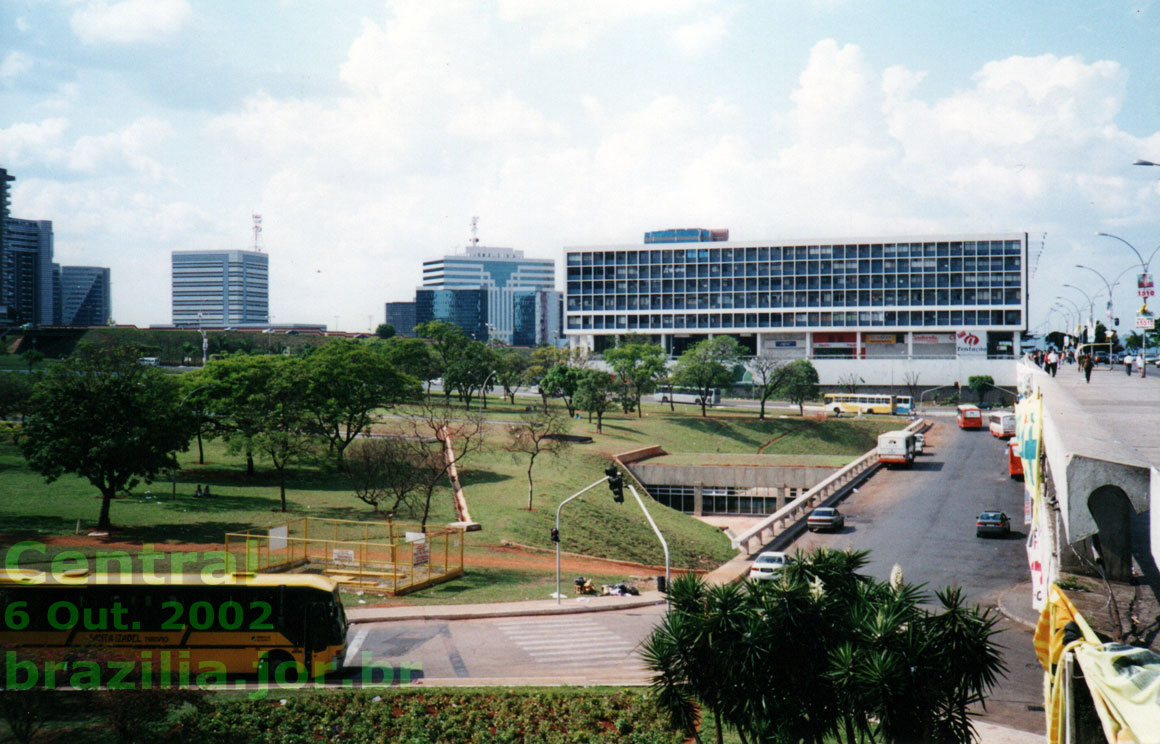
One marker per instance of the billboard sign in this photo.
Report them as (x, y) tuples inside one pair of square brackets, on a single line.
[(1144, 286)]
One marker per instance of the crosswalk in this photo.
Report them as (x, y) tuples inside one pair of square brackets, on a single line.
[(572, 642)]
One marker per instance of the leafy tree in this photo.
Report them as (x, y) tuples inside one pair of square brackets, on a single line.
[(195, 400), (707, 365), (345, 382), (412, 356), (858, 660), (235, 396), (32, 357), (469, 369), (980, 384), (106, 418), (285, 433), (15, 394), (767, 372), (593, 395), (638, 365), (563, 381), (544, 358), (385, 331), (538, 433), (799, 384), (447, 340), (511, 369)]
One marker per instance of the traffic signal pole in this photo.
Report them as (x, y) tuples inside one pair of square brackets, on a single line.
[(556, 537), (660, 537)]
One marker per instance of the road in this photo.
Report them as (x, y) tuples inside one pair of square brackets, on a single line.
[(920, 518)]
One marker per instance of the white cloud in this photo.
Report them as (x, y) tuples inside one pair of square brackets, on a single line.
[(129, 21), (23, 142), (131, 146), (694, 39), (14, 65), (574, 26), (505, 116)]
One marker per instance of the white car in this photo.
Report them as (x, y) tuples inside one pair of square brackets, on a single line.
[(919, 442), (768, 565)]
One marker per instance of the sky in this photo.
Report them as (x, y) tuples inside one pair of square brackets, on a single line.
[(368, 134)]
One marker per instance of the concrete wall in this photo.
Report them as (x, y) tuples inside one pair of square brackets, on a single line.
[(737, 476), (931, 372)]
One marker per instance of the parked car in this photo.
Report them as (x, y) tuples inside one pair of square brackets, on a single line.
[(825, 518), (992, 522), (1100, 357), (919, 442), (768, 565)]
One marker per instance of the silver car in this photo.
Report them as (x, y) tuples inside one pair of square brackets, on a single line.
[(768, 565)]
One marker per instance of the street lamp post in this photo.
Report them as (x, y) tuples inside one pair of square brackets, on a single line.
[(1111, 286)]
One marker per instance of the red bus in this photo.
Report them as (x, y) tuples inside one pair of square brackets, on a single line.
[(1014, 462), (970, 417)]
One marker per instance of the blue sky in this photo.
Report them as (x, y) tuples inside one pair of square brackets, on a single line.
[(368, 133)]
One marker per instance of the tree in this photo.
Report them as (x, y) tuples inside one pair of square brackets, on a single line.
[(980, 384), (562, 381), (108, 419), (706, 365), (858, 659), (511, 368), (799, 384), (638, 365), (767, 372), (383, 470), (32, 357), (538, 433), (544, 358), (15, 394), (385, 331), (469, 368), (235, 399), (911, 380), (592, 394), (345, 382), (446, 342), (850, 382), (286, 434), (411, 356)]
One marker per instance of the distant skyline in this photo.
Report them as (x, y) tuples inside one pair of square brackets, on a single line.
[(368, 133)]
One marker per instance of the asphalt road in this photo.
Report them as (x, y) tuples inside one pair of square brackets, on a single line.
[(920, 518)]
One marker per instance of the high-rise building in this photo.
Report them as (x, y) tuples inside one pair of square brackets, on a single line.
[(500, 272), (5, 201), (537, 317), (466, 307), (26, 268), (85, 295), (221, 288), (401, 317)]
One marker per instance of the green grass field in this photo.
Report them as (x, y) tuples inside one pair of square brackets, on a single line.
[(495, 483)]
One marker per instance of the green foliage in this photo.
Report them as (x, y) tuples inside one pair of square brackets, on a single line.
[(592, 394), (638, 366), (980, 384), (562, 381), (385, 331), (466, 716), (857, 659), (799, 384), (106, 418), (511, 366), (411, 356), (15, 394), (706, 365)]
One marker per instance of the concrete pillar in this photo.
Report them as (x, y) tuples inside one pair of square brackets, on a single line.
[(809, 344), (1112, 510), (1018, 344), (698, 501), (857, 344), (910, 344), (780, 497)]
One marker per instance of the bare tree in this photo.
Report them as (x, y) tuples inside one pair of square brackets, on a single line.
[(538, 433), (849, 382), (382, 471), (768, 373), (911, 380)]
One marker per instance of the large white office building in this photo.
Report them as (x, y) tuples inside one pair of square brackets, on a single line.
[(859, 305), (221, 288)]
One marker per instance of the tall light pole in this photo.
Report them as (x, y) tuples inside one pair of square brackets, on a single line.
[(1111, 286)]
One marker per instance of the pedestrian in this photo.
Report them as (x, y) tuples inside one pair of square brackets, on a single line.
[(1086, 365), (206, 492), (1052, 362), (1128, 364), (197, 492)]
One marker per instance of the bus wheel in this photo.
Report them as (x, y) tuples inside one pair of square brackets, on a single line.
[(280, 667)]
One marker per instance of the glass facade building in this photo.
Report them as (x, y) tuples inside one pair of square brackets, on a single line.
[(26, 271), (466, 308), (909, 285), (221, 288), (501, 273), (85, 295)]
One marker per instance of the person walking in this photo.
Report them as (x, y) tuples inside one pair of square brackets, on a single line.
[(1052, 362), (1128, 364), (1086, 365)]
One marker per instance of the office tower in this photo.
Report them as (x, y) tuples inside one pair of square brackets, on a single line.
[(220, 288), (500, 272), (5, 202), (401, 317), (26, 268), (86, 299), (464, 307)]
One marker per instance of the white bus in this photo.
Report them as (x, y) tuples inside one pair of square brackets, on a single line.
[(896, 447), (840, 403), (1001, 424), (686, 395)]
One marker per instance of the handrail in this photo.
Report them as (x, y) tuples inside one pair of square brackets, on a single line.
[(777, 522)]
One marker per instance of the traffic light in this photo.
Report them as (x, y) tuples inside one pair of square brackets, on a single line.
[(555, 535), (615, 483)]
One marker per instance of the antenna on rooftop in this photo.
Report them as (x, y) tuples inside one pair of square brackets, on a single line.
[(474, 232), (257, 232)]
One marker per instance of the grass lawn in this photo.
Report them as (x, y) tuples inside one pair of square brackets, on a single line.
[(495, 483)]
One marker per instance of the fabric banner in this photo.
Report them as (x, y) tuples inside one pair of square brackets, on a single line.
[(1050, 645), (1125, 685)]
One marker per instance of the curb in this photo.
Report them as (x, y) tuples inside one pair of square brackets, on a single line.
[(1013, 615), (515, 609)]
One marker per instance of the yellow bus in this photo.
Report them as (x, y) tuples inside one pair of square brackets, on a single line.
[(280, 626), (840, 403)]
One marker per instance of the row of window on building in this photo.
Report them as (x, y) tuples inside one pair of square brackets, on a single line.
[(830, 319)]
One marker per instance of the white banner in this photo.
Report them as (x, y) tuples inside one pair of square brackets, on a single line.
[(279, 537)]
